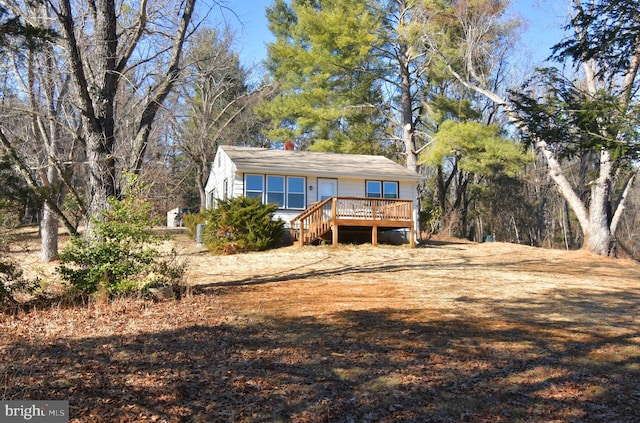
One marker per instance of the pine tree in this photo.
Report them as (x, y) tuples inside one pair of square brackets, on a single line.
[(322, 61)]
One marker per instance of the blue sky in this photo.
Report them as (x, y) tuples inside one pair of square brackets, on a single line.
[(543, 18), (250, 27)]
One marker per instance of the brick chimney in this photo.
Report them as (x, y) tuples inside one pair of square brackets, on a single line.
[(289, 146)]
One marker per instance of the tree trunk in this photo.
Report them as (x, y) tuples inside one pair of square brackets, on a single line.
[(50, 135), (440, 194), (569, 238), (408, 126), (48, 235), (102, 176), (200, 175), (95, 98), (594, 221), (49, 223), (598, 236), (615, 221)]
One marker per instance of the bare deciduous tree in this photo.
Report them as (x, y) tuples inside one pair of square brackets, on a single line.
[(105, 47), (219, 102)]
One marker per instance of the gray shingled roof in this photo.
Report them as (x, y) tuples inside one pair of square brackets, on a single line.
[(261, 160)]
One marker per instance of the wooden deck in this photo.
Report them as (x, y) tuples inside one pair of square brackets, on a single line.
[(324, 219)]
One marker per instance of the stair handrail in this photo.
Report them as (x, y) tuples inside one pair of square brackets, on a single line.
[(308, 232), (312, 209)]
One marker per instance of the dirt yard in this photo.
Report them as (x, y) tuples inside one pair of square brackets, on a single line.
[(450, 332)]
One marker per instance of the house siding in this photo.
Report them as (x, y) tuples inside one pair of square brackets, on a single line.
[(222, 171), (238, 185), (356, 187), (349, 187)]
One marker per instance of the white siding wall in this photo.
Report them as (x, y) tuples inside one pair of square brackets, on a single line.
[(287, 215), (347, 187), (223, 171), (238, 185), (408, 190), (351, 187)]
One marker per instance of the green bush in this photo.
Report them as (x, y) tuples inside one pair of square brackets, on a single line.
[(11, 279), (11, 283), (120, 257), (8, 223), (191, 220), (13, 197), (241, 224)]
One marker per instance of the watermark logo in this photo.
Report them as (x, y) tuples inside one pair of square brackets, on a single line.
[(34, 411)]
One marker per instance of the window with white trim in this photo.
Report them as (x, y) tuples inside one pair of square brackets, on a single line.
[(295, 192), (287, 192), (390, 189), (374, 189), (382, 189), (275, 190), (253, 186)]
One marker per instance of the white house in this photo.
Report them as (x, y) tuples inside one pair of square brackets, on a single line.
[(298, 181)]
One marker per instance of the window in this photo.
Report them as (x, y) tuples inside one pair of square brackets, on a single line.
[(286, 192), (295, 192), (225, 189), (212, 199), (253, 186), (374, 189), (390, 190), (275, 190), (382, 189)]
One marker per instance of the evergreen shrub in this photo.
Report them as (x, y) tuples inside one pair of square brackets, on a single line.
[(12, 281), (240, 225), (190, 221)]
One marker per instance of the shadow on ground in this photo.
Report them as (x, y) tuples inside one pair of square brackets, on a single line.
[(573, 356)]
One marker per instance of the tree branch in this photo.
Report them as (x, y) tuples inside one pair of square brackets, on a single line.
[(31, 182), (142, 23), (163, 90), (75, 57), (617, 216)]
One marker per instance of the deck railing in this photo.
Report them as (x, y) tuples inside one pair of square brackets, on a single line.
[(321, 217)]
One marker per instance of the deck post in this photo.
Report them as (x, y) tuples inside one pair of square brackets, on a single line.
[(301, 240), (334, 217), (374, 235), (412, 235)]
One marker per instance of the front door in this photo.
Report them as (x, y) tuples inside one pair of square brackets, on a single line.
[(327, 188)]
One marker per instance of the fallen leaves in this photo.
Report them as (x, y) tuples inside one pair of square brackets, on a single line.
[(347, 344)]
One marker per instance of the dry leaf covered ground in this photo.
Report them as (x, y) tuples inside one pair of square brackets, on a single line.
[(449, 332)]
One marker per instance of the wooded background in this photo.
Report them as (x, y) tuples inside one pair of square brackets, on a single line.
[(92, 91)]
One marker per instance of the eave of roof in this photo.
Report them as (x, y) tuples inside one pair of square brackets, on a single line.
[(306, 163)]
